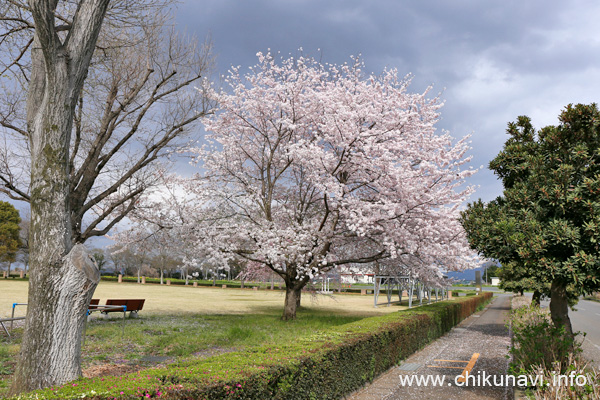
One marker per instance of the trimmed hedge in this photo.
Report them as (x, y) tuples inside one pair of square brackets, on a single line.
[(218, 284), (16, 277), (326, 365)]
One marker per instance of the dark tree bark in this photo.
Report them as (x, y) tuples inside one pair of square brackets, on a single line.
[(62, 275), (535, 300), (293, 292), (298, 298), (292, 300), (559, 306)]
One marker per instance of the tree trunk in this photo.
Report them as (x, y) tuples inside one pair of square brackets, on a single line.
[(535, 300), (51, 345), (298, 298), (559, 306), (292, 301), (61, 281), (62, 275), (161, 276)]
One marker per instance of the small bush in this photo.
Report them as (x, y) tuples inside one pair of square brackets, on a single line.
[(537, 342), (566, 387)]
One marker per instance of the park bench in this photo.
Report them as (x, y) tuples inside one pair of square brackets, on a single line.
[(94, 304), (131, 305), (116, 305)]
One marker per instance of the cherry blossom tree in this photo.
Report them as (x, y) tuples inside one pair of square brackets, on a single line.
[(309, 166)]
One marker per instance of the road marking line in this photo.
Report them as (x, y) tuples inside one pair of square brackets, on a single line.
[(468, 368)]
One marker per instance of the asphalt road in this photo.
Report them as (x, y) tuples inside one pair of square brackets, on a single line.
[(586, 318), (480, 341), (485, 288)]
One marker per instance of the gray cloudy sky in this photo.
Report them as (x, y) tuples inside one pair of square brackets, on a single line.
[(493, 60)]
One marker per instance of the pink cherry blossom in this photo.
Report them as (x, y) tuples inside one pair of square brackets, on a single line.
[(310, 166)]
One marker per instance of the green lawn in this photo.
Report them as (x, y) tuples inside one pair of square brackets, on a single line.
[(159, 339), (196, 335), (184, 322)]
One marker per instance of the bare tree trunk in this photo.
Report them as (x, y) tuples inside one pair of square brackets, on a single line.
[(62, 275), (293, 292), (51, 346), (161, 276), (559, 307), (292, 299), (535, 300)]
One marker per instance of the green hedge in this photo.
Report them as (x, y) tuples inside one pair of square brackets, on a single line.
[(219, 283), (327, 365), (16, 277)]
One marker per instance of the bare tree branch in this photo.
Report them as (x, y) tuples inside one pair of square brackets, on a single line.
[(135, 107)]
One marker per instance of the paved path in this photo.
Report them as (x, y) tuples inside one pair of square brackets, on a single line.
[(483, 333)]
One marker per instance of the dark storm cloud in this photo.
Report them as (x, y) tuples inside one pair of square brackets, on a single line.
[(493, 60)]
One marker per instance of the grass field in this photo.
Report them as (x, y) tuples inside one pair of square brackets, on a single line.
[(181, 322), (163, 299)]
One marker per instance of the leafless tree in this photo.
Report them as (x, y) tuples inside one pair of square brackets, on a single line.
[(129, 260), (82, 151)]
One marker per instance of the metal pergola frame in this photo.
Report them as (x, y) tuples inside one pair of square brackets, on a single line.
[(408, 283)]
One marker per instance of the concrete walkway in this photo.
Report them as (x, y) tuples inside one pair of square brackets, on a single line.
[(480, 342)]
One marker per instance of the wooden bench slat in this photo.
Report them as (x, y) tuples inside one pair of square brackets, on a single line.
[(132, 305)]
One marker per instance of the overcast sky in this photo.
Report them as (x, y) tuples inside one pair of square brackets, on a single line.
[(492, 60)]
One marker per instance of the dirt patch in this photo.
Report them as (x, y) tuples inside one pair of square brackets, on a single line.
[(118, 369), (110, 370), (213, 351)]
